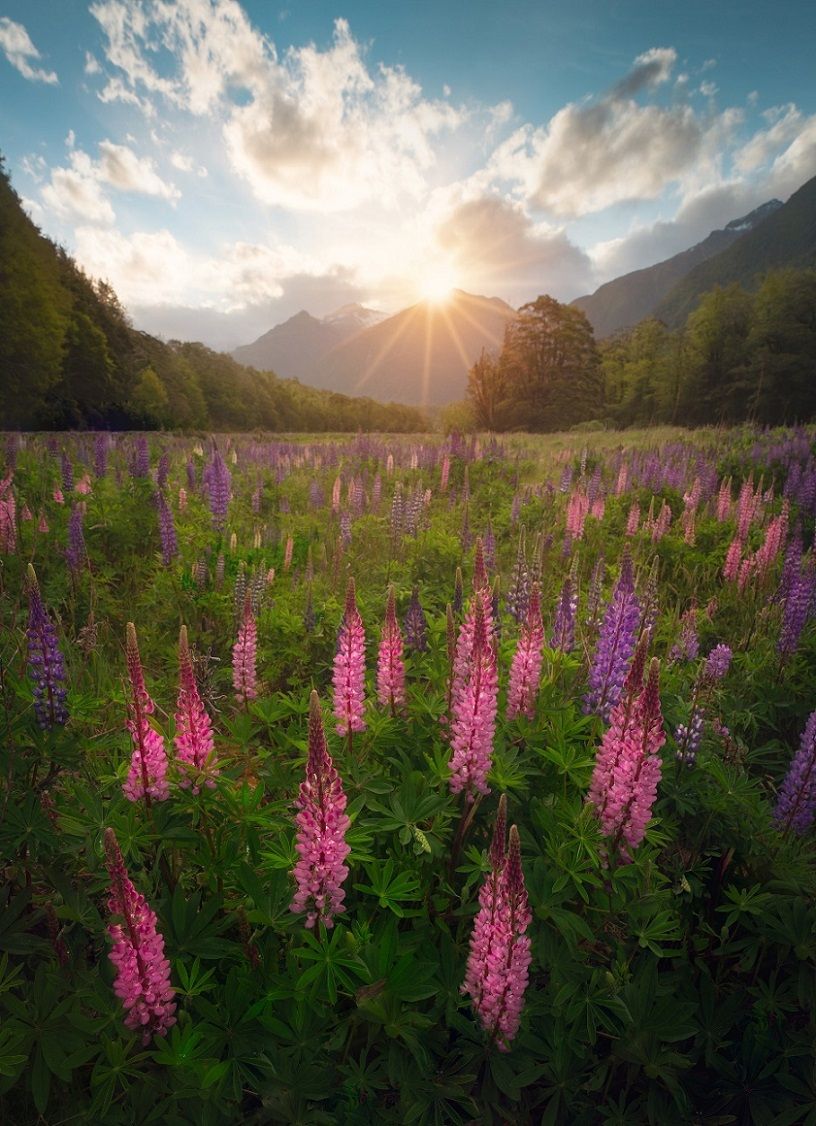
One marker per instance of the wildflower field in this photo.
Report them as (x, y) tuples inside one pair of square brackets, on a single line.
[(408, 780)]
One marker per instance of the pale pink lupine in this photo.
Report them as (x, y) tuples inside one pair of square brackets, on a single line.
[(733, 558), (390, 661), (473, 712), (525, 670), (8, 518), (147, 774), (775, 536), (598, 509), (724, 500), (633, 519), (348, 679), (58, 496), (142, 970), (194, 741), (623, 477), (482, 595), (499, 960), (42, 524), (577, 510), (662, 524), (627, 767), (244, 654), (182, 499), (321, 834), (83, 485), (444, 474), (26, 513), (747, 571), (335, 500)]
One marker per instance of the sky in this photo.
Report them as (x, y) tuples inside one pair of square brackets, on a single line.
[(225, 164)]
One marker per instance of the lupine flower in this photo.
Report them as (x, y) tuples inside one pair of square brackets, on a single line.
[(416, 624), (473, 708), (349, 669), (390, 663), (627, 768), (796, 801), (525, 671), (633, 519), (162, 470), (444, 474), (8, 517), (593, 616), (217, 481), (499, 961), (167, 531), (244, 672), (58, 496), (322, 824), (616, 644), (563, 630), (46, 666), (518, 596), (101, 455), (287, 553), (67, 473), (689, 737), (717, 663), (75, 551), (687, 646), (147, 775), (577, 512), (798, 607), (194, 741), (458, 592), (142, 971), (724, 500), (140, 464)]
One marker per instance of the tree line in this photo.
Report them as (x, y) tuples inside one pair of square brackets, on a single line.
[(740, 356), (70, 358)]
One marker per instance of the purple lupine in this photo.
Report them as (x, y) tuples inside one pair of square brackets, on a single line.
[(193, 740), (390, 663), (217, 481), (167, 531), (142, 970), (147, 773), (140, 462), (499, 960), (163, 470), (688, 737), (322, 824), (717, 663), (348, 678), (191, 475), (489, 543), (458, 592), (518, 596), (67, 473), (616, 644), (798, 607), (563, 629), (75, 553), (46, 665), (796, 801), (416, 624), (687, 645), (101, 455), (345, 528), (525, 671), (473, 708)]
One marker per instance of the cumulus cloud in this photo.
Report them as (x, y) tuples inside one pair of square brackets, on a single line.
[(123, 169), (499, 249), (16, 45), (311, 129)]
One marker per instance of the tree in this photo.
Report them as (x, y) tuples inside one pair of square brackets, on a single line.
[(716, 336), (149, 400), (487, 391), (551, 367)]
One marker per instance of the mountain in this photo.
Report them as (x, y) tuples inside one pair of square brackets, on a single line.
[(295, 348), (70, 358), (633, 297), (420, 355), (785, 238)]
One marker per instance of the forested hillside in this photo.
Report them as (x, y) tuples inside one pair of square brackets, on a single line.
[(69, 357)]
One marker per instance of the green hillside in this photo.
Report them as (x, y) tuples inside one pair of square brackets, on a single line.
[(787, 238), (69, 357)]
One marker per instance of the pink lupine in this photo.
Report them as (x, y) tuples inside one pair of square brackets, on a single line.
[(58, 496), (623, 477), (499, 961), (633, 519), (724, 500), (147, 774), (627, 767), (142, 970), (322, 824), (390, 662), (244, 671), (336, 487), (662, 524), (8, 521), (598, 509), (444, 474), (775, 536), (348, 679), (525, 671), (42, 524), (194, 741), (482, 595), (182, 499), (733, 558), (577, 511), (473, 713), (287, 553)]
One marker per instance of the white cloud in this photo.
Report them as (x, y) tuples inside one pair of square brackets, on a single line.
[(74, 193), (20, 51), (70, 139), (123, 169), (91, 64), (181, 161), (497, 248)]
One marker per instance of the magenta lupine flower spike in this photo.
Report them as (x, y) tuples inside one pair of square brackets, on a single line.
[(244, 672), (142, 971), (390, 662), (349, 669), (147, 775), (499, 961), (525, 671), (473, 712), (321, 831), (627, 768), (194, 742)]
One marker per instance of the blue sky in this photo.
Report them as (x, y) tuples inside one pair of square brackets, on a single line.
[(225, 164)]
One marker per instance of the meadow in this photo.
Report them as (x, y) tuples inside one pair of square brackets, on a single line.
[(408, 779)]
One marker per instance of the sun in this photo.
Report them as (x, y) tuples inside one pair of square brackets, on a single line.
[(437, 284)]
